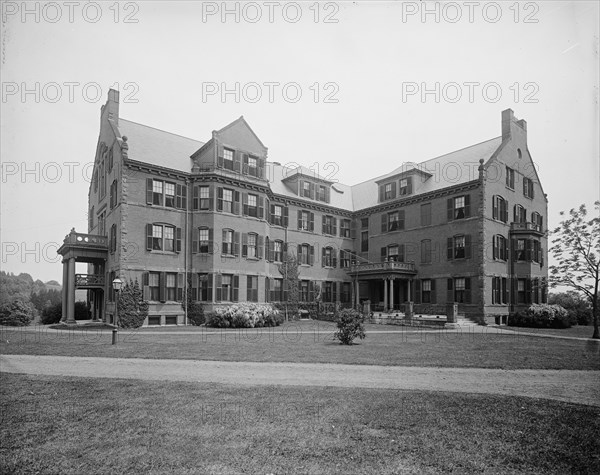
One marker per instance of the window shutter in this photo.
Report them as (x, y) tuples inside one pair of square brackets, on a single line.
[(322, 257), (433, 292), (211, 198), (236, 243), (195, 238), (383, 254), (468, 246), (149, 237), (236, 288), (525, 186), (504, 210), (450, 291), (220, 155), (467, 290), (196, 198), (244, 244), (515, 215), (261, 167), (401, 219), (219, 199), (323, 224), (311, 291), (195, 296), (218, 285), (312, 191), (178, 239), (181, 197), (149, 191), (334, 227), (352, 229), (248, 288), (245, 204), (384, 223), (450, 209), (449, 247), (467, 206), (299, 219), (285, 216), (409, 186), (417, 291), (269, 249), (145, 286), (401, 252), (333, 258), (334, 289), (236, 202), (327, 194), (210, 241), (311, 225), (381, 193), (162, 286), (243, 157), (180, 287), (267, 289), (394, 189), (528, 290), (528, 249), (495, 207), (494, 247), (259, 247), (311, 259), (209, 291), (261, 207), (270, 212)]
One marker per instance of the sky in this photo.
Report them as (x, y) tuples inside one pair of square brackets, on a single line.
[(351, 89)]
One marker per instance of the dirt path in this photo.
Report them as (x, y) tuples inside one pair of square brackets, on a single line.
[(582, 387)]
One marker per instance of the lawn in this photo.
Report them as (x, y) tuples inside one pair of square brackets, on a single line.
[(578, 331), (311, 342), (85, 425)]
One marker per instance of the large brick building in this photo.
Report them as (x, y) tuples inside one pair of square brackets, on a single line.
[(466, 227)]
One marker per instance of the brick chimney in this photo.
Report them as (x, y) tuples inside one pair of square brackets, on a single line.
[(111, 108), (507, 117)]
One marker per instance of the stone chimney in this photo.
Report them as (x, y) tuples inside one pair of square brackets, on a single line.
[(110, 110), (507, 118)]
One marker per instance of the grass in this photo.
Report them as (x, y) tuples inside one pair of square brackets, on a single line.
[(578, 331), (311, 342), (85, 425)]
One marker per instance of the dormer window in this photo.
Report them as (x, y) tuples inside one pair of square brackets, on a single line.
[(252, 166), (228, 159), (406, 186), (306, 189)]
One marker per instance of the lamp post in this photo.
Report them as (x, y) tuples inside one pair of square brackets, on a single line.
[(116, 284)]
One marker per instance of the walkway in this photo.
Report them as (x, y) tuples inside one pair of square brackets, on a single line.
[(582, 387)]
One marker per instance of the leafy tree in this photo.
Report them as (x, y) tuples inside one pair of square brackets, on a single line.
[(45, 298), (52, 314), (195, 310), (350, 326), (576, 249), (18, 313), (133, 309), (290, 271), (579, 308)]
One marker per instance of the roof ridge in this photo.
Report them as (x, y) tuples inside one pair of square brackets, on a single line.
[(160, 130)]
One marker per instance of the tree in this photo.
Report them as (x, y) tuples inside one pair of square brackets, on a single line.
[(290, 271), (576, 249), (350, 326), (133, 309), (18, 313), (578, 306), (195, 310)]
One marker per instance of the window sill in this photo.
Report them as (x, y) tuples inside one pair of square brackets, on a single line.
[(231, 256), (166, 253), (252, 258)]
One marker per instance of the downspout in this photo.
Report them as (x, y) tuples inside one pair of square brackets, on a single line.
[(185, 259)]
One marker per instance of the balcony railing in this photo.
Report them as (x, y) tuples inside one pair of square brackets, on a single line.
[(384, 266), (89, 280), (91, 240), (526, 227)]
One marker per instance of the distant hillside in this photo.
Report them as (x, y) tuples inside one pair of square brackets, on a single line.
[(22, 286), (53, 285)]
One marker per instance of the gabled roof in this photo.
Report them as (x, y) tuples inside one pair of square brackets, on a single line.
[(241, 120), (157, 147)]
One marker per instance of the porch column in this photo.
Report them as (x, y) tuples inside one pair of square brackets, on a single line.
[(385, 295), (71, 292), (357, 293), (409, 296), (391, 294), (64, 291)]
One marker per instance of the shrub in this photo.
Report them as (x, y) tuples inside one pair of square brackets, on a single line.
[(17, 313), (541, 316), (81, 311), (350, 326), (195, 313), (133, 309), (52, 314), (244, 315), (578, 307)]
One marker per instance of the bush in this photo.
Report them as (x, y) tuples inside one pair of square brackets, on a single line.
[(133, 309), (244, 315), (541, 316), (52, 314), (17, 313), (578, 307), (195, 313), (350, 326), (81, 311)]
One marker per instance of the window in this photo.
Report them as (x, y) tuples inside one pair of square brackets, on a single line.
[(426, 214), (228, 159), (328, 291), (306, 221), (277, 290), (154, 285), (172, 287), (113, 194), (170, 195), (406, 186), (113, 239), (102, 180), (250, 205), (498, 290), (537, 251), (346, 296), (96, 181), (204, 289), (304, 291), (459, 247), (204, 197), (278, 251), (345, 228), (253, 170), (459, 207), (520, 254), (426, 251), (393, 252), (364, 241), (277, 215), (102, 223), (459, 290), (510, 178), (204, 245), (162, 238), (91, 219), (307, 189), (426, 291), (157, 192), (392, 221), (226, 284), (323, 193), (251, 245), (227, 201), (536, 219), (110, 159), (306, 254), (227, 287), (328, 257), (345, 258), (387, 191), (527, 187), (519, 214), (499, 209), (499, 248), (169, 238), (521, 291), (227, 243), (329, 225), (364, 223), (252, 288)]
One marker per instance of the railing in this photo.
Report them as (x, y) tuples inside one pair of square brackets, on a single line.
[(525, 227), (88, 280), (384, 266), (91, 240)]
